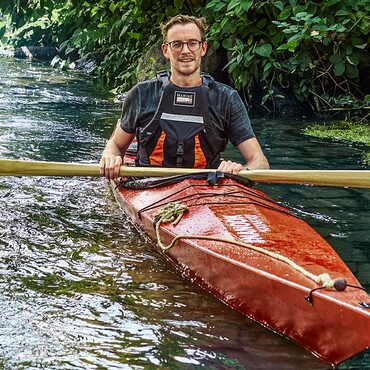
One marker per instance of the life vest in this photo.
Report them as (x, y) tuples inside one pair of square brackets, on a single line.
[(181, 133)]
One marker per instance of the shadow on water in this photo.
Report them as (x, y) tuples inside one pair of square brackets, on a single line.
[(81, 288)]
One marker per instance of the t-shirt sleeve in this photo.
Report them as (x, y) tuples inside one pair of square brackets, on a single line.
[(131, 111), (239, 127)]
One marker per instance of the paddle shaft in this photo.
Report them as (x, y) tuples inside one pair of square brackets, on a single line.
[(350, 178)]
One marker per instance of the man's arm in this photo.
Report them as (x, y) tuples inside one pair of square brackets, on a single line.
[(253, 155), (112, 156)]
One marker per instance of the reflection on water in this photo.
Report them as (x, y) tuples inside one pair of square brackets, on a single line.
[(81, 288)]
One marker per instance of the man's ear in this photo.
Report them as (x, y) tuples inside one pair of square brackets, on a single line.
[(165, 51), (204, 48)]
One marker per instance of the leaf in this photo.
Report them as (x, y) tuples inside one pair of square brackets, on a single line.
[(331, 2), (284, 14), (224, 22), (283, 47), (264, 99), (264, 50), (215, 5), (262, 23), (351, 71), (299, 9), (279, 5), (335, 59), (246, 4), (352, 59), (135, 35), (297, 36), (227, 43), (211, 4), (112, 7), (339, 69), (288, 46), (267, 70), (326, 41), (302, 16), (232, 4), (364, 24), (363, 46), (341, 12), (123, 31), (178, 4), (340, 28), (248, 57), (239, 43)]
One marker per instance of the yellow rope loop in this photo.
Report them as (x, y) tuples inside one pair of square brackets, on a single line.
[(325, 280), (169, 212)]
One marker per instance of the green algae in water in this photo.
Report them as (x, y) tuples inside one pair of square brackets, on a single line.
[(342, 130)]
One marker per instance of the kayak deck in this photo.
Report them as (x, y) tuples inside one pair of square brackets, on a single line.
[(258, 258)]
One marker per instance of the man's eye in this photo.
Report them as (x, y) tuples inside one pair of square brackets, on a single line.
[(193, 43), (176, 44)]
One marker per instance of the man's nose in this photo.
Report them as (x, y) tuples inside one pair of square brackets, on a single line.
[(185, 45)]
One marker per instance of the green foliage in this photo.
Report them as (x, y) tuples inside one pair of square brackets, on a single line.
[(34, 22), (317, 49), (118, 30)]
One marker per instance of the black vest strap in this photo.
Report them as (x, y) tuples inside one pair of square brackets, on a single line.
[(164, 77)]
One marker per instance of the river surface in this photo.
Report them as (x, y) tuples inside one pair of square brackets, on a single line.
[(82, 289)]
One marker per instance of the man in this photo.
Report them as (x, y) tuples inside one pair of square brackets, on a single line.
[(183, 118)]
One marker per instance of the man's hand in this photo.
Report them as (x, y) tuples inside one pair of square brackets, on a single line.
[(110, 165), (230, 167), (111, 159)]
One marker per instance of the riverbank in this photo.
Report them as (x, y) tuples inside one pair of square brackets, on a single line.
[(353, 132)]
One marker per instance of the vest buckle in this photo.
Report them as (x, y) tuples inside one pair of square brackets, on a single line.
[(180, 149)]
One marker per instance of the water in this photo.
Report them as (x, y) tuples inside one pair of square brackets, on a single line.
[(82, 289)]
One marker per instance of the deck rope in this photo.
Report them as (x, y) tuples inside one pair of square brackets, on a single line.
[(174, 211)]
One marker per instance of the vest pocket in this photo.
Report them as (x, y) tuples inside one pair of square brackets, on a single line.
[(179, 144)]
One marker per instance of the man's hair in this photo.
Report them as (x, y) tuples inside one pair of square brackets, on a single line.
[(184, 19)]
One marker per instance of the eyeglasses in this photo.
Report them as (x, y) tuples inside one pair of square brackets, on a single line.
[(177, 46)]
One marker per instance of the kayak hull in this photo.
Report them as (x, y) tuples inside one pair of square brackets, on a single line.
[(222, 243)]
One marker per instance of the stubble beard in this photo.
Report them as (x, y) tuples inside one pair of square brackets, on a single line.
[(187, 71)]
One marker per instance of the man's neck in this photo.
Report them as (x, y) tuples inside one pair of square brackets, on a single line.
[(186, 80)]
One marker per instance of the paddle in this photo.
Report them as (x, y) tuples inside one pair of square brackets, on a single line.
[(350, 178)]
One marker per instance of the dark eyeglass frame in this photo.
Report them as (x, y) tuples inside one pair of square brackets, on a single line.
[(187, 43)]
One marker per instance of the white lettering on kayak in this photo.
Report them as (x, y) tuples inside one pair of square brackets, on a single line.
[(247, 227)]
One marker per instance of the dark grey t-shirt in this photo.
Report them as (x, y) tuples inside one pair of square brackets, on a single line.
[(228, 112)]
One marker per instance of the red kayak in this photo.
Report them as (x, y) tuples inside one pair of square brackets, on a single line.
[(257, 257)]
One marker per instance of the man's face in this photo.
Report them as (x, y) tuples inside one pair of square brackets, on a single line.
[(184, 62)]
